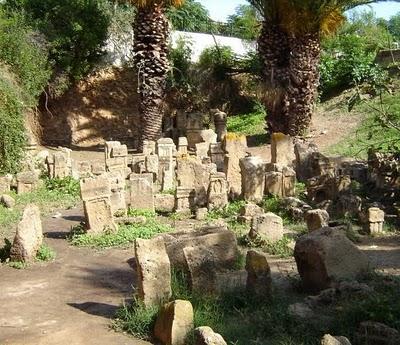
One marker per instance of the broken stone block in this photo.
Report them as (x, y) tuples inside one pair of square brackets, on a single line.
[(153, 271), (326, 256), (220, 242), (182, 145), (174, 322), (326, 187), (138, 163), (267, 227), (217, 155), (140, 192), (149, 147), (281, 182), (151, 164), (164, 203), (201, 213), (59, 164), (235, 147), (330, 340), (116, 157), (259, 281), (96, 196), (168, 180), (29, 236), (248, 211), (7, 201), (117, 197), (375, 333), (202, 150), (206, 336), (191, 173), (27, 181), (5, 183), (303, 153), (183, 200), (220, 120), (376, 219), (316, 219), (217, 191), (282, 149), (253, 178)]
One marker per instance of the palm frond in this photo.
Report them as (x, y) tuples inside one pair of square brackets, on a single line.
[(151, 3)]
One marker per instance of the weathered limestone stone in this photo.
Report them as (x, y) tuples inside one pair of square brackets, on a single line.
[(174, 322), (280, 183), (235, 147), (168, 180), (7, 201), (166, 147), (193, 174), (151, 164), (295, 208), (27, 181), (330, 340), (217, 155), (117, 197), (201, 213), (182, 145), (149, 147), (164, 202), (259, 281), (140, 192), (206, 336), (208, 136), (327, 256), (375, 333), (267, 226), (138, 163), (116, 157), (248, 211), (316, 219), (252, 170), (96, 196), (217, 191), (183, 197), (230, 281), (29, 236), (303, 152), (220, 241), (98, 168), (282, 149), (376, 218), (59, 164), (202, 150), (5, 183), (220, 120), (153, 271)]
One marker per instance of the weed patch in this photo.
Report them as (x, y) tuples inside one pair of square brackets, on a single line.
[(45, 253)]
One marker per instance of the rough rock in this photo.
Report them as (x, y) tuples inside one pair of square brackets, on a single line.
[(201, 213), (375, 333), (267, 226), (282, 149), (7, 201), (153, 271), (327, 256), (29, 235), (164, 202), (174, 322), (252, 170), (301, 311), (330, 340), (248, 211), (259, 281), (316, 219), (206, 336), (295, 208)]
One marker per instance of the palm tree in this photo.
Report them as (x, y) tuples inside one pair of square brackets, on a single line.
[(292, 30), (151, 32)]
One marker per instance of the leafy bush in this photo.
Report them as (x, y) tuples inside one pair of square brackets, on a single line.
[(248, 124), (45, 253), (217, 59), (67, 185)]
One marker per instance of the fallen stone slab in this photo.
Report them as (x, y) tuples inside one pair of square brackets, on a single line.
[(206, 336)]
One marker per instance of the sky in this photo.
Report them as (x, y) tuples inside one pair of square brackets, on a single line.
[(221, 9)]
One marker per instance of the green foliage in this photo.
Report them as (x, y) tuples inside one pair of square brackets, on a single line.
[(219, 60), (45, 253), (248, 124), (136, 319), (19, 265), (67, 186), (244, 23), (394, 26), (5, 250), (180, 60), (279, 248), (125, 234), (228, 212)]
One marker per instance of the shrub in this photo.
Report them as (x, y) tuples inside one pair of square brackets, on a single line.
[(66, 186), (45, 253)]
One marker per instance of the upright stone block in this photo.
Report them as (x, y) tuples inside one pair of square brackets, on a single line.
[(151, 163), (140, 192), (149, 147), (96, 196), (59, 164), (202, 150), (117, 197), (217, 155), (217, 191), (168, 180), (259, 281), (182, 145), (253, 178), (316, 219), (183, 198), (29, 236), (376, 219), (220, 120), (282, 149), (153, 271), (235, 147), (268, 227), (27, 181), (116, 157)]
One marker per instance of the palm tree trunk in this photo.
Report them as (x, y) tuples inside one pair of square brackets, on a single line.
[(304, 81), (151, 60), (273, 46)]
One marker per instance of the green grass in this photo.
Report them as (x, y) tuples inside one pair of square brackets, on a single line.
[(125, 235), (45, 253), (247, 124), (279, 248), (369, 133), (61, 194)]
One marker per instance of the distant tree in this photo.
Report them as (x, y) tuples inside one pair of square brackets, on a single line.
[(394, 26), (244, 23), (192, 16)]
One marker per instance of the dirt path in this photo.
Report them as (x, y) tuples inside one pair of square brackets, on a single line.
[(69, 301)]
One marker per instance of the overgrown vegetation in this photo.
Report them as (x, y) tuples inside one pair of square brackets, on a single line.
[(125, 234), (45, 253)]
